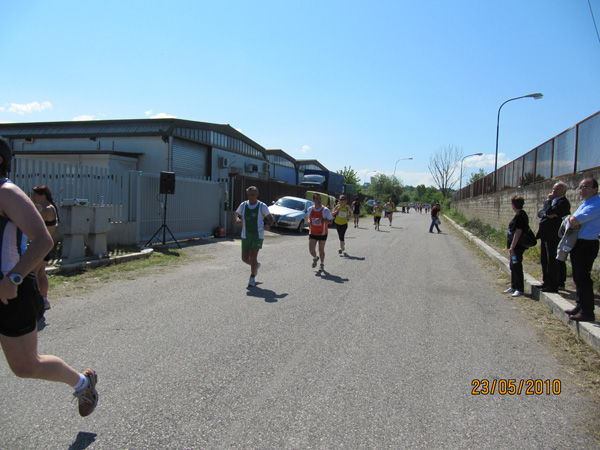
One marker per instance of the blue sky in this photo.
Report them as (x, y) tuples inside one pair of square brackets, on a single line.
[(349, 83)]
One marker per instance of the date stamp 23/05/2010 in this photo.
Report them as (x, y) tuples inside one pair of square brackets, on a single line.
[(512, 386)]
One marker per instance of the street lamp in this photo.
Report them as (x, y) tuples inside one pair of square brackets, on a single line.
[(401, 159), (461, 166), (535, 96)]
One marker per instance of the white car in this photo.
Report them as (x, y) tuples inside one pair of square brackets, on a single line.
[(291, 212)]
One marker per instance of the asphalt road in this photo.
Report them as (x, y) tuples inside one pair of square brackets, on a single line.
[(379, 352)]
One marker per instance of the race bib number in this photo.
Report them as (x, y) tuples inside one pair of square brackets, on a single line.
[(316, 221), (343, 214)]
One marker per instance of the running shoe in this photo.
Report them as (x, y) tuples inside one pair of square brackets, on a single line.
[(46, 304), (509, 291), (322, 268), (315, 261), (517, 294), (340, 251), (251, 282), (88, 399)]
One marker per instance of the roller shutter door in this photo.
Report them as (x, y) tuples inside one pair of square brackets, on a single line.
[(190, 159)]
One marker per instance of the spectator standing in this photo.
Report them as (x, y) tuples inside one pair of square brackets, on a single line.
[(20, 299), (587, 220), (42, 197), (435, 217), (356, 211), (517, 226), (252, 214), (556, 207)]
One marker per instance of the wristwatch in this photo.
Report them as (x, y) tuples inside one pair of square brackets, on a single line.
[(15, 278)]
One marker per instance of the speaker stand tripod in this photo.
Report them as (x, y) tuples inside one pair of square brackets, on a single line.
[(164, 228)]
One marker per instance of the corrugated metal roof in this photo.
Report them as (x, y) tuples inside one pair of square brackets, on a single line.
[(307, 162), (83, 128), (126, 127)]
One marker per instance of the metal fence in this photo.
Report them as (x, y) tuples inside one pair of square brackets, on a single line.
[(68, 180), (196, 208), (574, 150)]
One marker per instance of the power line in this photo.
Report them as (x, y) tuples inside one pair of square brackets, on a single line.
[(594, 19)]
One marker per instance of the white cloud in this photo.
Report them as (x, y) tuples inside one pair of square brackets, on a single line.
[(28, 108), (305, 149), (162, 116), (147, 113), (84, 117)]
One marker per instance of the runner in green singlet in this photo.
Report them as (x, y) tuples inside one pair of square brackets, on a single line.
[(251, 215)]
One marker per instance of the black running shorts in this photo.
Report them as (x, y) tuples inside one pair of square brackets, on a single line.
[(22, 313)]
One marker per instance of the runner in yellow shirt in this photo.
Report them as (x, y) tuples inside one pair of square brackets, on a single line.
[(390, 207), (377, 213), (341, 214)]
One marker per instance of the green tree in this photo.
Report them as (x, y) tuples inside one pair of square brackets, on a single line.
[(384, 187), (420, 193), (351, 177), (477, 176)]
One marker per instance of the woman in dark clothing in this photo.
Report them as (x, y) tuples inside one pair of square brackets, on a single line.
[(42, 197), (517, 226)]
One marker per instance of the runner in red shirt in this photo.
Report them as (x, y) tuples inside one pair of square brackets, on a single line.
[(319, 218)]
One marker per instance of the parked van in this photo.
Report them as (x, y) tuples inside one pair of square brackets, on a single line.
[(327, 200)]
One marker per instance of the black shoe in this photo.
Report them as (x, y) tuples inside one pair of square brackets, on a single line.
[(573, 311), (549, 289), (581, 318)]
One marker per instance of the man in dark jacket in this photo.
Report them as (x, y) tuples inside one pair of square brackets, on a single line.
[(555, 208), (435, 214)]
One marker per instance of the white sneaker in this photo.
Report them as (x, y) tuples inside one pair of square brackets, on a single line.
[(257, 267), (517, 294), (340, 251), (315, 261), (509, 290), (251, 282)]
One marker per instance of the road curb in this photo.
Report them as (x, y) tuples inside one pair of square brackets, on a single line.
[(589, 332), (92, 264)]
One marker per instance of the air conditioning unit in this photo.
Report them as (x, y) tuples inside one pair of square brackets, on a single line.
[(75, 202), (266, 167), (251, 167), (223, 163)]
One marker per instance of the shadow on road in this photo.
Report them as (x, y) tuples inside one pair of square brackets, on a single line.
[(330, 277), (354, 258), (83, 440), (268, 295)]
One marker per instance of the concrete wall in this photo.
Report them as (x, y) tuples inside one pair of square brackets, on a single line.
[(495, 209)]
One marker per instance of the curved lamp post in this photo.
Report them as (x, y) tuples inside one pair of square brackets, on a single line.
[(461, 166), (535, 96), (401, 159)]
